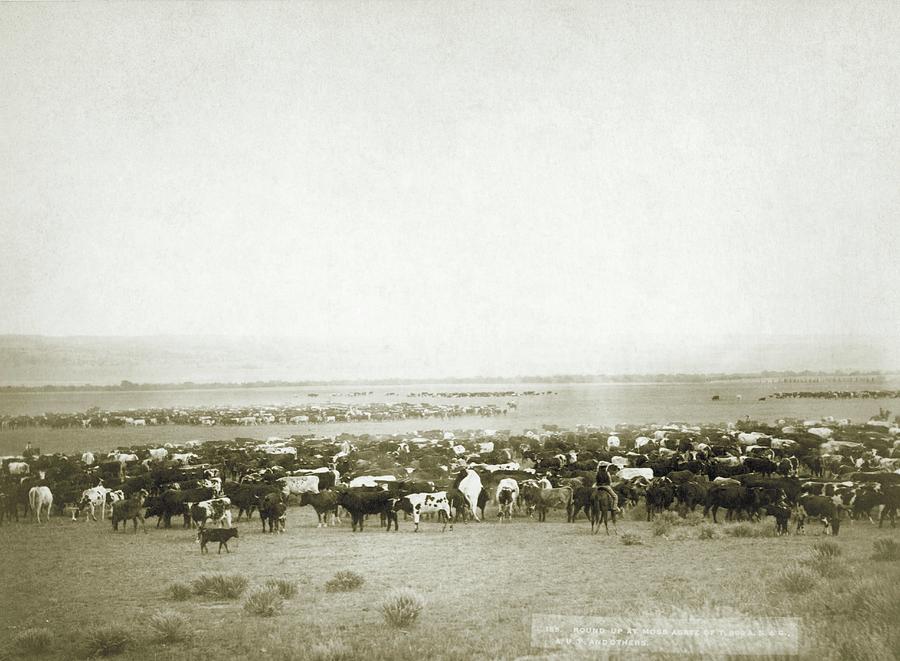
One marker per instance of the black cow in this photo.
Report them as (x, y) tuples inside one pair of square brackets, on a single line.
[(819, 507), (791, 486), (782, 514), (759, 465), (660, 494), (174, 502), (733, 498), (691, 493), (359, 503), (581, 500), (891, 503), (272, 510)]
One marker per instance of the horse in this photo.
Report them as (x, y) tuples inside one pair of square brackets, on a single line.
[(601, 506), (38, 497)]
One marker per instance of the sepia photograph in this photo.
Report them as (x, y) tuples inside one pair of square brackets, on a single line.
[(404, 330)]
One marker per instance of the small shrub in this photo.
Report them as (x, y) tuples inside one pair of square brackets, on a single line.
[(827, 549), (828, 567), (180, 592), (35, 640), (265, 602), (661, 527), (169, 626), (287, 589), (693, 519), (402, 608), (746, 530), (344, 581), (886, 549), (223, 586), (796, 580), (107, 640), (332, 650), (707, 531), (630, 539)]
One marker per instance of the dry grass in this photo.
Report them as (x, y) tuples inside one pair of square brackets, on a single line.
[(796, 579), (886, 550), (551, 571), (630, 539), (32, 641), (827, 549)]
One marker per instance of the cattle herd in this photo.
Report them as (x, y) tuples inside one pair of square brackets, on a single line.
[(794, 471)]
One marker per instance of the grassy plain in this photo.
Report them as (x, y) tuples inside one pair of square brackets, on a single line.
[(481, 583)]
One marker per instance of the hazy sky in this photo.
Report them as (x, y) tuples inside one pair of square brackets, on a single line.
[(464, 180)]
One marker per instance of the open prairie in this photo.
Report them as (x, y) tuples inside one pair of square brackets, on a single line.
[(481, 583)]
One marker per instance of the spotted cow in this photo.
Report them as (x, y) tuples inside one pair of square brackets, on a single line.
[(426, 503)]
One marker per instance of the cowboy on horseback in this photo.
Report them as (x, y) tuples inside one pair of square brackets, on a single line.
[(604, 482)]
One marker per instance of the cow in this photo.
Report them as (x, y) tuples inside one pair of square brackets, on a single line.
[(631, 473), (426, 503), (324, 503), (660, 494), (272, 510), (819, 507), (38, 498), (174, 502), (298, 484), (890, 504), (158, 454), (214, 483), (732, 498), (90, 499), (184, 458), (468, 483), (759, 465), (631, 491), (328, 477), (782, 513), (114, 496), (558, 498), (18, 468), (130, 508), (360, 502), (221, 535), (215, 510), (87, 458), (691, 493), (371, 481), (508, 488), (506, 500)]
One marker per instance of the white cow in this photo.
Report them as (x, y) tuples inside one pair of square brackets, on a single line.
[(629, 473), (87, 458), (507, 504), (18, 468), (158, 454), (372, 481), (297, 484), (39, 497), (470, 486), (184, 458)]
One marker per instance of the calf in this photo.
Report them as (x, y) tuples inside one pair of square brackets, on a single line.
[(425, 503), (132, 508), (822, 508), (221, 535)]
